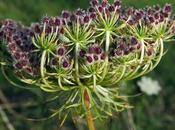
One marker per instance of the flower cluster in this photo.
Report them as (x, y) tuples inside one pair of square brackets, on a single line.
[(18, 42), (94, 53), (89, 50)]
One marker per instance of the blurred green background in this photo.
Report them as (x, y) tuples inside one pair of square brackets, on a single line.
[(150, 112)]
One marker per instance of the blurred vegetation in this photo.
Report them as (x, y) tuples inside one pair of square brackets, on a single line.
[(149, 113)]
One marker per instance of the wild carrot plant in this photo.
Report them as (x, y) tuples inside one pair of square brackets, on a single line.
[(86, 54)]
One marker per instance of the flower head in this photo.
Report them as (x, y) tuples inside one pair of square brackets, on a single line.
[(149, 86)]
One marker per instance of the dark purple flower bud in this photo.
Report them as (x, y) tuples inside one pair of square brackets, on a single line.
[(138, 15), (23, 62), (15, 37), (37, 28), (89, 59), (82, 53), (45, 19), (98, 50), (54, 62), (134, 41), (167, 8), (79, 12), (150, 11), (31, 34), (151, 19), (73, 17), (61, 51), (100, 9), (19, 42), (130, 11), (156, 16), (111, 8), (91, 9), (17, 55), (123, 46), (103, 56), (65, 14), (51, 21), (94, 2), (93, 16), (18, 65), (142, 12), (65, 64), (104, 3), (161, 19), (86, 19), (95, 57), (117, 3), (57, 22)]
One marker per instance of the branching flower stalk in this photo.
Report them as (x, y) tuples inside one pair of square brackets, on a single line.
[(83, 56)]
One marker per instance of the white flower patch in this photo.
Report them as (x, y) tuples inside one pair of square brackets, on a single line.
[(149, 86)]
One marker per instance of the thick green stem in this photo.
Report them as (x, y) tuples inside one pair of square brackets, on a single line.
[(89, 118), (107, 41)]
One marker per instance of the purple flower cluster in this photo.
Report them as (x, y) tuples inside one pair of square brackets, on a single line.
[(93, 54), (79, 15), (125, 46), (19, 44), (65, 62), (96, 9), (62, 60), (49, 25), (148, 15), (26, 56)]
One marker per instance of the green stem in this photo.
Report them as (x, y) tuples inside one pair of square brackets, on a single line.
[(89, 118), (107, 41), (77, 65), (107, 57), (42, 69)]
